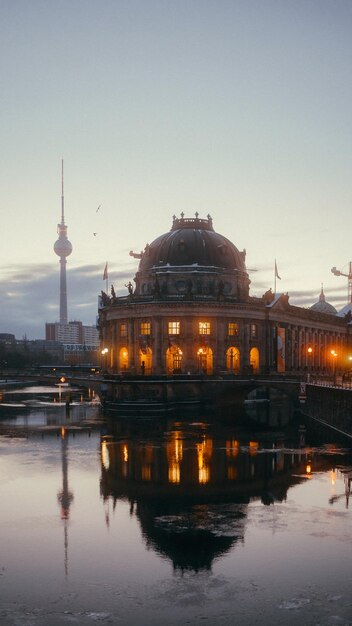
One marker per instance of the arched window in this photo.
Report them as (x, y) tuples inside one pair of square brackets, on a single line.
[(254, 360), (123, 359), (204, 360), (233, 360), (145, 361), (173, 360)]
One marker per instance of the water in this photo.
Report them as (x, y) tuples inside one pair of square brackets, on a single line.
[(168, 521)]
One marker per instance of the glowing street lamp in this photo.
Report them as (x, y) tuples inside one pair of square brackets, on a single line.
[(310, 356), (334, 356), (200, 355), (103, 355)]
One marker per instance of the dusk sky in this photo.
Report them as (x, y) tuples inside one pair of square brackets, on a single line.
[(237, 108)]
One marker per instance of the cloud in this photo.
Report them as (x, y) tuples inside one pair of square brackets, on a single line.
[(29, 295)]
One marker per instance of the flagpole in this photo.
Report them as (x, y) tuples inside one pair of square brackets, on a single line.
[(106, 277), (275, 278)]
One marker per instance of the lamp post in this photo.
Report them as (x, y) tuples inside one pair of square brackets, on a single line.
[(334, 356), (200, 355), (309, 360), (349, 370), (103, 357), (62, 380)]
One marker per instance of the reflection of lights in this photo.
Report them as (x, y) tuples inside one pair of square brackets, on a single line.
[(105, 457), (174, 453), (232, 448), (333, 477), (125, 453), (174, 473), (232, 472), (146, 472), (204, 453), (63, 432), (309, 469), (253, 448), (148, 453)]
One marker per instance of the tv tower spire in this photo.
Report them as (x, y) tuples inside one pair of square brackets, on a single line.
[(63, 248)]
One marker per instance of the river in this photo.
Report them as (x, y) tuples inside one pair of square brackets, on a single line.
[(171, 520)]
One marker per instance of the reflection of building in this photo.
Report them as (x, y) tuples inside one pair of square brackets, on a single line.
[(189, 488), (191, 312)]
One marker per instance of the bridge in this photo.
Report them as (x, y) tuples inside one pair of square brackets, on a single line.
[(270, 400)]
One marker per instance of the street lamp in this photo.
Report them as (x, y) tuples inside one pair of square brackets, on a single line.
[(103, 355), (334, 355), (200, 354), (309, 360)]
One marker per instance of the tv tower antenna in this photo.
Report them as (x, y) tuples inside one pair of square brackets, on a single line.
[(349, 281), (63, 248)]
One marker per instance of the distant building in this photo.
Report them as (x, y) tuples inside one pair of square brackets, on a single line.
[(80, 342), (7, 339)]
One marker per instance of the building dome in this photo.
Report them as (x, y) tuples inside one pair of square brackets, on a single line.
[(192, 259), (322, 306)]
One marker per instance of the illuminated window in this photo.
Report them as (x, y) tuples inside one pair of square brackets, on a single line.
[(145, 328), (254, 330), (173, 328), (232, 328), (123, 330), (204, 328)]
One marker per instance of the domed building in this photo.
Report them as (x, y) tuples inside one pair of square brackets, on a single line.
[(191, 312), (322, 306)]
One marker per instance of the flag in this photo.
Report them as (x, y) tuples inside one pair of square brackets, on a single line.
[(276, 272), (105, 275)]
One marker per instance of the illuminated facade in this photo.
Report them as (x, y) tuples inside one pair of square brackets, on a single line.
[(191, 312)]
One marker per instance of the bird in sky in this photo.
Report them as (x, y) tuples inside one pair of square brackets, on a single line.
[(95, 234), (98, 208)]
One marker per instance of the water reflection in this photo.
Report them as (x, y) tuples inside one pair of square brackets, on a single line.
[(45, 405), (65, 496), (190, 484)]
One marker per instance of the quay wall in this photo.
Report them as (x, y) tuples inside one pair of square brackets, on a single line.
[(331, 405)]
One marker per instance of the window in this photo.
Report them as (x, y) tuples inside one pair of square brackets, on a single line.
[(204, 328), (123, 330), (173, 328), (232, 328), (145, 328), (254, 330)]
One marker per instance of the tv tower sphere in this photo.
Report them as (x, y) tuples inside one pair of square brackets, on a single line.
[(62, 247)]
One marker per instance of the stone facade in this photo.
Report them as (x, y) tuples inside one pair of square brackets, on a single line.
[(191, 312)]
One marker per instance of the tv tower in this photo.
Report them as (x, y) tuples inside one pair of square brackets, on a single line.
[(63, 248)]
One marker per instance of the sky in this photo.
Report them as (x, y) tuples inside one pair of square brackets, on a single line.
[(237, 108)]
